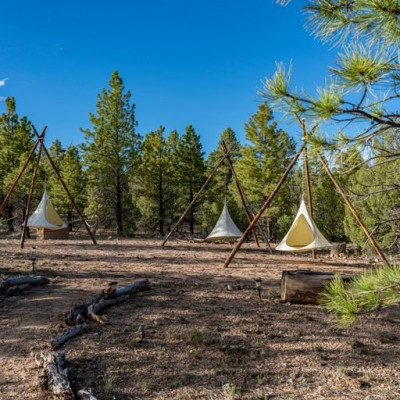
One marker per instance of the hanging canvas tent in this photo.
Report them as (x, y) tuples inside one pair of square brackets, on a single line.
[(225, 228), (48, 223), (303, 235)]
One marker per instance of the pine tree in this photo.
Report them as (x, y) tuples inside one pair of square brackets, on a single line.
[(156, 180), (175, 190), (191, 169), (16, 141), (372, 186), (262, 163), (110, 150)]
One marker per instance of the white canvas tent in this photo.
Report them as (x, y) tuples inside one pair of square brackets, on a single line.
[(45, 216), (303, 235), (225, 228)]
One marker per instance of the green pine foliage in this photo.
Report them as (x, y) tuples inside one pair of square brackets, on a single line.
[(374, 190), (16, 141), (110, 151), (191, 171), (368, 292), (156, 182), (70, 166)]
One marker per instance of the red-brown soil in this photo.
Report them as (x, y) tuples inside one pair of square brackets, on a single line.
[(202, 340)]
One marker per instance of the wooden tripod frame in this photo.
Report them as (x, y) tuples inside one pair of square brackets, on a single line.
[(40, 142), (225, 158), (276, 190)]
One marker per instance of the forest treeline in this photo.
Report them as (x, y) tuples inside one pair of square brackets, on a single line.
[(131, 183)]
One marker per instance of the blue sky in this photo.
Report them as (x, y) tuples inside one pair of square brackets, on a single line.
[(196, 63)]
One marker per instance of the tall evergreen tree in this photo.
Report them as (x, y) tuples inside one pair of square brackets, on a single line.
[(110, 149), (156, 180), (191, 169), (262, 163), (16, 141)]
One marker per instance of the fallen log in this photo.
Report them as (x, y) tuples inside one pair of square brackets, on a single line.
[(80, 315), (54, 376), (17, 290), (85, 395), (22, 280), (305, 286), (70, 334)]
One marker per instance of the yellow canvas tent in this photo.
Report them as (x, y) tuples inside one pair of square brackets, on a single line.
[(303, 235)]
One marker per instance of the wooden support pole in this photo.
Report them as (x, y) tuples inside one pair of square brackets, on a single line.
[(197, 195), (32, 152), (352, 209), (31, 189), (264, 207), (240, 190), (246, 202), (307, 174), (67, 191)]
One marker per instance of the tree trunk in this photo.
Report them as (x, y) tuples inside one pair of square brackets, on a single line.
[(191, 214), (69, 217), (160, 200), (118, 202), (10, 219), (305, 287)]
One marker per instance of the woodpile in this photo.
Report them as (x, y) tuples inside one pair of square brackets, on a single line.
[(305, 286)]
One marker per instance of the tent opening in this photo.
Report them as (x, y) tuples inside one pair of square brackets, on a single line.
[(303, 235)]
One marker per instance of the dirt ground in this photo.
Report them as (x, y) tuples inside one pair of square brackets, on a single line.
[(207, 335)]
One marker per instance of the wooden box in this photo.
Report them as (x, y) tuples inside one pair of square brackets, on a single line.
[(52, 234)]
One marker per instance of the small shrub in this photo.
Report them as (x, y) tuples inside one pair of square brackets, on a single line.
[(195, 336), (108, 387), (231, 392)]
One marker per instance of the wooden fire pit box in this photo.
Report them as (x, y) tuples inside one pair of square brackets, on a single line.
[(305, 286)]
